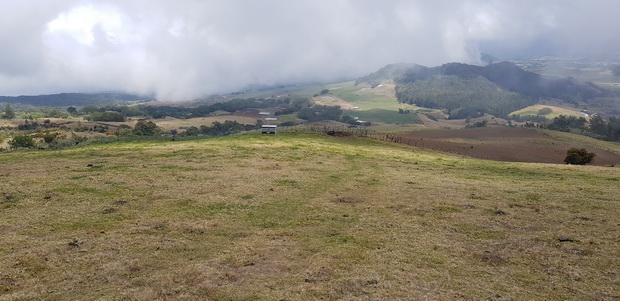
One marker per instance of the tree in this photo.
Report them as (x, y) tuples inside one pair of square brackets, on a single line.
[(192, 131), (22, 141), (50, 138), (545, 111), (319, 112), (123, 130), (72, 110), (567, 123), (55, 113), (145, 128), (8, 112), (578, 156), (106, 116), (90, 109), (598, 125)]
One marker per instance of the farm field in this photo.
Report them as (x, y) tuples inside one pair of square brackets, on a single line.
[(512, 144), (557, 111), (377, 104), (302, 217)]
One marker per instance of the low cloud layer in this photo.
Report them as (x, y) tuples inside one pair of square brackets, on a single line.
[(186, 49)]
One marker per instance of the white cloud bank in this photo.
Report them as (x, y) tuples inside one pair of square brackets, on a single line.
[(185, 49)]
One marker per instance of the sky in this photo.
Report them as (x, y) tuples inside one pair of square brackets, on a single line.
[(186, 49)]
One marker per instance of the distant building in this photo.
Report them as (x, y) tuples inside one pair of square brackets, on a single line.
[(269, 129)]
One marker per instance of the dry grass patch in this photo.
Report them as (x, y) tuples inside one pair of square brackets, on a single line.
[(301, 217), (556, 111)]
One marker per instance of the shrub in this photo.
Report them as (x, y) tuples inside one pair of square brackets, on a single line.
[(22, 141), (545, 111), (49, 138), (107, 117), (145, 128), (578, 156)]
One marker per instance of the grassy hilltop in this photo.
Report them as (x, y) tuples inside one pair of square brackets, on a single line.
[(302, 217)]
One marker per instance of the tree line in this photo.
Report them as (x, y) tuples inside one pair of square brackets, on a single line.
[(461, 97), (597, 127)]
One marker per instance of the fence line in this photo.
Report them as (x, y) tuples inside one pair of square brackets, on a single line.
[(360, 132)]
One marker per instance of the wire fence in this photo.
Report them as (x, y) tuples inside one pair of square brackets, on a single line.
[(343, 131)]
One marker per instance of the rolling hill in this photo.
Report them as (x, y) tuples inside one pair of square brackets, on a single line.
[(469, 91), (74, 99), (302, 217)]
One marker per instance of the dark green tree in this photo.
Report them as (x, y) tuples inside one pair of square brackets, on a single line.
[(50, 138), (90, 109), (319, 112), (545, 111), (22, 141), (106, 116), (72, 110), (192, 131), (598, 126), (8, 112), (145, 128), (578, 156)]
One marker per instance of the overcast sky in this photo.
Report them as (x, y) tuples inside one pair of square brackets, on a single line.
[(183, 49)]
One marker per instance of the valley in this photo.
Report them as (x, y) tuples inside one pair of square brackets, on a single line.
[(395, 200)]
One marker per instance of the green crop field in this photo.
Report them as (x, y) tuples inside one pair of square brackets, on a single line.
[(302, 217), (374, 104)]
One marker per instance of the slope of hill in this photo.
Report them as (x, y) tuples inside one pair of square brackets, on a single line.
[(74, 99), (302, 217), (470, 91), (512, 144)]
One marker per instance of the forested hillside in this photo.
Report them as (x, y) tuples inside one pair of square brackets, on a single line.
[(462, 98), (468, 91), (74, 99)]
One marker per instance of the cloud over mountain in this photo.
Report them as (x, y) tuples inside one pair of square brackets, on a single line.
[(185, 49)]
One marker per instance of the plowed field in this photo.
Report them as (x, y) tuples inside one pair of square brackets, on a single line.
[(503, 144)]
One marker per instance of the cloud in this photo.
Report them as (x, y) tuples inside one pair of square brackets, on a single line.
[(186, 49)]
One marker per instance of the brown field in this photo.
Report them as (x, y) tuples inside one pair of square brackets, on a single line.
[(458, 123), (504, 144), (558, 109), (331, 100)]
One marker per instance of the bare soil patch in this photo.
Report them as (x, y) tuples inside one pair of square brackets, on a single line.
[(503, 144), (332, 100)]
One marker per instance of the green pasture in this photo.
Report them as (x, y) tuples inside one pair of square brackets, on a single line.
[(301, 217)]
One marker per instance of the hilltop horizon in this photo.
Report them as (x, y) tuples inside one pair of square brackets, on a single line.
[(186, 50)]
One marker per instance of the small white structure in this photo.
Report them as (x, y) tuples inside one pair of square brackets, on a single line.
[(269, 129), (271, 118), (264, 113)]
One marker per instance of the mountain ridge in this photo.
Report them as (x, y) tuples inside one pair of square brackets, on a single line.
[(465, 90), (74, 99)]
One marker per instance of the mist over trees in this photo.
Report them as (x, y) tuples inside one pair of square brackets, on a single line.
[(230, 106), (75, 99), (461, 98), (467, 91)]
